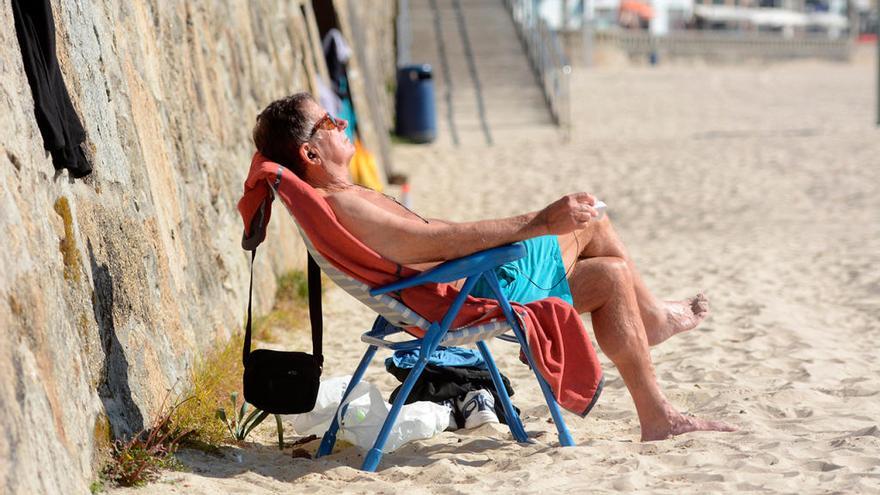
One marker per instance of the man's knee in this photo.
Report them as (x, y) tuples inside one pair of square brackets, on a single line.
[(617, 271)]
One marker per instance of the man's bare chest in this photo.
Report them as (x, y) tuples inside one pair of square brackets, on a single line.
[(388, 204)]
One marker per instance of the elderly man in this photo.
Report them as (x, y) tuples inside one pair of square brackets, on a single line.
[(571, 254)]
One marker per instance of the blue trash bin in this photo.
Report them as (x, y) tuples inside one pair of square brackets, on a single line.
[(416, 114)]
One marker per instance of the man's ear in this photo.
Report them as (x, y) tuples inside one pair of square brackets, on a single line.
[(307, 153)]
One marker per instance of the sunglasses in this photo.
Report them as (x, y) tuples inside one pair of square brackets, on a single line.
[(327, 122)]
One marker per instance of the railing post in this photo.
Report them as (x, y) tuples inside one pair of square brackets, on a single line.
[(566, 107), (545, 55), (587, 32)]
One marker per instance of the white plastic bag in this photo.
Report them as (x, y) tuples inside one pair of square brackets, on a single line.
[(366, 413), (364, 418), (318, 419)]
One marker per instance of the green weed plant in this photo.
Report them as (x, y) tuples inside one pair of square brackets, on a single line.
[(136, 461), (210, 382), (240, 423)]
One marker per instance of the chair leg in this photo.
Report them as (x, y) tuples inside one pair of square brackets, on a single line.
[(513, 421), (565, 438), (371, 461), (329, 439)]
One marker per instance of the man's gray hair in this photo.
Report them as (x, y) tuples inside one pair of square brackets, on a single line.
[(282, 127)]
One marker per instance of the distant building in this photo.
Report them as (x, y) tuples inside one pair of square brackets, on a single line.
[(787, 17)]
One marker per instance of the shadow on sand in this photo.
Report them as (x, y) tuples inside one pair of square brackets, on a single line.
[(269, 461)]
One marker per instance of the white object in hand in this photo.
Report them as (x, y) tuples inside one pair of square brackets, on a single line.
[(600, 208)]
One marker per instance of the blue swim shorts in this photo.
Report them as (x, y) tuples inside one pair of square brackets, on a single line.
[(538, 274)]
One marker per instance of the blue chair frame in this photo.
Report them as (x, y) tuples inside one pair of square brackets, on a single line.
[(471, 268)]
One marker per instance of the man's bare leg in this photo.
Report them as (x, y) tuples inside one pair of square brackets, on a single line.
[(603, 286), (662, 319)]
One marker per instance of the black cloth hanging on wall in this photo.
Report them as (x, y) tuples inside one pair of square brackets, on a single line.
[(337, 53), (59, 124)]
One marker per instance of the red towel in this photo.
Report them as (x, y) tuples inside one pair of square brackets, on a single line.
[(556, 335)]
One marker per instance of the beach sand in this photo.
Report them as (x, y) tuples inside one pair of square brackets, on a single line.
[(755, 184)]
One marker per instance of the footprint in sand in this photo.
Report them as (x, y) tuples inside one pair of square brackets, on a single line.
[(821, 466)]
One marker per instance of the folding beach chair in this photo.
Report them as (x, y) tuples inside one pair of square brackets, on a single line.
[(394, 316)]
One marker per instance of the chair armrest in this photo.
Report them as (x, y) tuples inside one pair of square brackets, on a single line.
[(456, 269)]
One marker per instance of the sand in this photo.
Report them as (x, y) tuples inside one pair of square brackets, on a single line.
[(755, 184)]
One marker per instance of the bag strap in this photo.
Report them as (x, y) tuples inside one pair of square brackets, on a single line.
[(316, 315), (246, 351)]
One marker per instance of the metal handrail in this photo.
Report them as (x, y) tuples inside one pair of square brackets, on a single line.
[(548, 60)]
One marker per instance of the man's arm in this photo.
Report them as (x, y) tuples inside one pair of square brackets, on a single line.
[(409, 241)]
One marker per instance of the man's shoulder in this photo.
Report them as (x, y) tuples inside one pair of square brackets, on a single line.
[(354, 204), (350, 198)]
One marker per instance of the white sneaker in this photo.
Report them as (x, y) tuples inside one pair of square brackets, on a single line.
[(453, 423), (478, 407)]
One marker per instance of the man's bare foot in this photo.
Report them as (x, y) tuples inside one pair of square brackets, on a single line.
[(678, 423), (680, 316)]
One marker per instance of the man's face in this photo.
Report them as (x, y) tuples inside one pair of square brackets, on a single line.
[(330, 141)]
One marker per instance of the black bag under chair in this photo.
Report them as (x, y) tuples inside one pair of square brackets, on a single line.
[(284, 382)]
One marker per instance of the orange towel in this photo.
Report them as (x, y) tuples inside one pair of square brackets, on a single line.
[(556, 335)]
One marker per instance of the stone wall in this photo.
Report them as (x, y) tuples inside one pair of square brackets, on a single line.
[(111, 286)]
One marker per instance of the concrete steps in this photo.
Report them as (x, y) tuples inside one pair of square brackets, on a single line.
[(485, 91)]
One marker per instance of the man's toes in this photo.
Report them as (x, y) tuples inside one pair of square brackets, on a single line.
[(702, 308), (699, 307)]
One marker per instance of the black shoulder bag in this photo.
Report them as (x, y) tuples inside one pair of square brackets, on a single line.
[(282, 382)]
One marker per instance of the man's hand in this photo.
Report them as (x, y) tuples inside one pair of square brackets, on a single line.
[(568, 213)]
